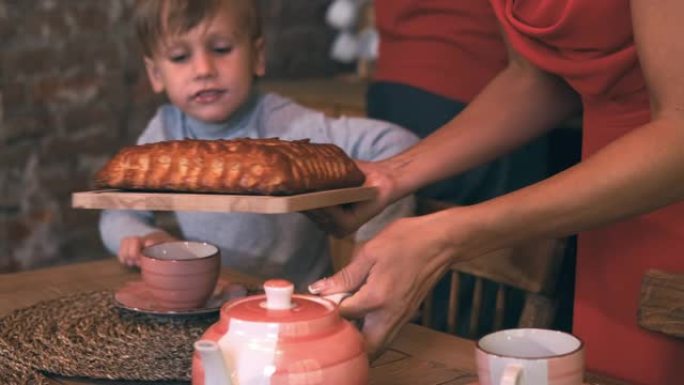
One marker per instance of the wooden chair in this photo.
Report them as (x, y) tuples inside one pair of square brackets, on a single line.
[(341, 251), (532, 268), (661, 303)]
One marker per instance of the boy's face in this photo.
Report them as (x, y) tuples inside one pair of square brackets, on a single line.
[(207, 72)]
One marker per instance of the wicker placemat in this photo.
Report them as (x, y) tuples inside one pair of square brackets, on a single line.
[(85, 335), (15, 372)]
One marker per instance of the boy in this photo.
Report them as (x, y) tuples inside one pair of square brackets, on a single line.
[(206, 55)]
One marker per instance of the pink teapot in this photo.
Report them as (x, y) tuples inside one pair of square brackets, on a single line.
[(280, 339)]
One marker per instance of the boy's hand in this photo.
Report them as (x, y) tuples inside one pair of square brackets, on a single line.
[(131, 247)]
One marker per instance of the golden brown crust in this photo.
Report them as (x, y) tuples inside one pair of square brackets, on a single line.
[(239, 166)]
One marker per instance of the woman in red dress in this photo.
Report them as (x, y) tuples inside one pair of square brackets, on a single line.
[(622, 62)]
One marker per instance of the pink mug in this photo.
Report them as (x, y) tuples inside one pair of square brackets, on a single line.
[(530, 357), (180, 275)]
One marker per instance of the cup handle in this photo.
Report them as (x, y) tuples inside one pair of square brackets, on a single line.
[(511, 375)]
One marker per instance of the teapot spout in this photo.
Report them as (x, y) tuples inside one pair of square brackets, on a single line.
[(215, 370)]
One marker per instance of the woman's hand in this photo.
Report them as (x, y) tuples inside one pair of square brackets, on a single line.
[(392, 273), (345, 219), (131, 247)]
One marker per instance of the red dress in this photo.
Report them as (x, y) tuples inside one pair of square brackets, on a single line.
[(431, 44), (590, 44)]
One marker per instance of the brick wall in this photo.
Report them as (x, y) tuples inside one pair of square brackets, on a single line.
[(72, 93)]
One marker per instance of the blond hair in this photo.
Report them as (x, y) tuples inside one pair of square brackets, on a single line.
[(156, 19)]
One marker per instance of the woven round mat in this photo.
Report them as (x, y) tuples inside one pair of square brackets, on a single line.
[(85, 335), (15, 372)]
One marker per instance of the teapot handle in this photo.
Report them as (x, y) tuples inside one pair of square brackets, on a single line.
[(337, 297)]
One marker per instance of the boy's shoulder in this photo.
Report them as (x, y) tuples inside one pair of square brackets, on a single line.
[(168, 113), (359, 136), (274, 103), (284, 116)]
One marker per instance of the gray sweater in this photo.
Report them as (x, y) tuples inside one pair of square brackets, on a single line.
[(288, 245)]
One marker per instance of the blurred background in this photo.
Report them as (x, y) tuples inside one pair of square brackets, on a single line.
[(72, 92)]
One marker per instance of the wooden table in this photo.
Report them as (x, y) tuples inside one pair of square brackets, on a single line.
[(418, 356)]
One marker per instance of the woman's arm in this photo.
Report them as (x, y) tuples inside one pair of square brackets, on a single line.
[(391, 273), (639, 172), (518, 105)]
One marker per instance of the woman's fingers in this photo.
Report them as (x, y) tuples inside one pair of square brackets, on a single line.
[(378, 331), (391, 274), (391, 308), (344, 219), (349, 279)]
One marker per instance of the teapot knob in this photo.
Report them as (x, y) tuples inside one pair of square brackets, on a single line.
[(278, 294)]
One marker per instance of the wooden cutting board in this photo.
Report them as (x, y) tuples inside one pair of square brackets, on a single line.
[(165, 201)]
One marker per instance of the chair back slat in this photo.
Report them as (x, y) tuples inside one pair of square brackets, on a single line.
[(532, 268)]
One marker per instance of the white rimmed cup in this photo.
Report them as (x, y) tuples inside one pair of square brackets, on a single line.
[(530, 357), (180, 275)]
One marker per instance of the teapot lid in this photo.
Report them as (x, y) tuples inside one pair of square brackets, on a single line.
[(280, 305)]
